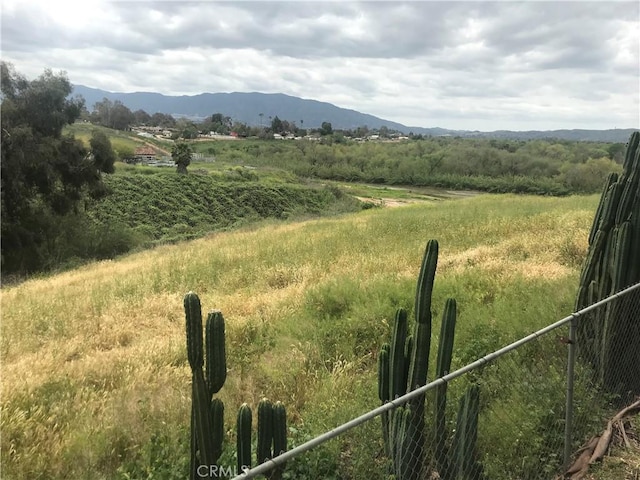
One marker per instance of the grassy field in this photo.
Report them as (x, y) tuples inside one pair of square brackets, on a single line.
[(95, 376), (119, 139)]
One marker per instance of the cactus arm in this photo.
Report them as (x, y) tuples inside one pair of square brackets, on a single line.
[(193, 314), (611, 179), (443, 365), (417, 376), (202, 417), (216, 365), (418, 368), (244, 438), (279, 429), (464, 464), (396, 359), (279, 437), (217, 423), (425, 282), (408, 352), (200, 397), (383, 373), (265, 431)]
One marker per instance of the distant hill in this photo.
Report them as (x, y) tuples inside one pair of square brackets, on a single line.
[(247, 107)]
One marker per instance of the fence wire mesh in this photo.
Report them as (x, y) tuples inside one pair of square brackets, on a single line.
[(518, 413)]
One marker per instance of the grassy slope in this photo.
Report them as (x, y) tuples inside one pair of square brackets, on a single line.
[(119, 139), (95, 377), (162, 205)]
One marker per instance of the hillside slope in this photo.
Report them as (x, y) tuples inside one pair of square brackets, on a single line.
[(95, 375), (165, 206)]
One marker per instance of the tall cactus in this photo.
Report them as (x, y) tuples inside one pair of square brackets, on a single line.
[(202, 438), (209, 371), (608, 341), (443, 365), (403, 367)]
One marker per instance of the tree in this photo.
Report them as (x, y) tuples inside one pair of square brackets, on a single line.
[(242, 129), (141, 117), (326, 129), (162, 120), (217, 123), (112, 114), (181, 154), (103, 155), (276, 125), (44, 173), (121, 117)]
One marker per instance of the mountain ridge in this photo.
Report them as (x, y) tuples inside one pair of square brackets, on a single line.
[(246, 107)]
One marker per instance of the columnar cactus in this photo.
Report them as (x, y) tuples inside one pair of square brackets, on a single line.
[(443, 365), (203, 441), (403, 367), (272, 434), (209, 373), (609, 340)]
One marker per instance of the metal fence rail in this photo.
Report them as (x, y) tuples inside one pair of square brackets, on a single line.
[(535, 367)]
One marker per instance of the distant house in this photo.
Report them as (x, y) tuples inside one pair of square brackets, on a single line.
[(144, 155)]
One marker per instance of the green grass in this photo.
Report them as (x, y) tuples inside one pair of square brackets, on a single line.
[(118, 138), (161, 206), (95, 378)]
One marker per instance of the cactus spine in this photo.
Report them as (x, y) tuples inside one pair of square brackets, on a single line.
[(403, 367), (608, 340)]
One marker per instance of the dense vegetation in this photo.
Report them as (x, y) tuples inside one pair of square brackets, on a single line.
[(539, 167), (163, 206), (45, 173)]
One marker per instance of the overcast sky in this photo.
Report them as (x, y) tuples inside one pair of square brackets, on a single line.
[(461, 65)]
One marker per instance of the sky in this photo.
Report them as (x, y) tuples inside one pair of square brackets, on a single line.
[(527, 65)]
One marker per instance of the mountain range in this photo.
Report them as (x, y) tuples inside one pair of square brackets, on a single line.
[(258, 108)]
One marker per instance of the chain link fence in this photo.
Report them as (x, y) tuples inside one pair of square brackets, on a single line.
[(518, 413)]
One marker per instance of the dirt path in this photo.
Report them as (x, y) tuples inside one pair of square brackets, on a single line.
[(152, 145), (392, 202)]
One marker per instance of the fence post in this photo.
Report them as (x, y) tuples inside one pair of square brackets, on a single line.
[(568, 415)]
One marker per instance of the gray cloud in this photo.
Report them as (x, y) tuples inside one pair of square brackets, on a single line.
[(450, 64)]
